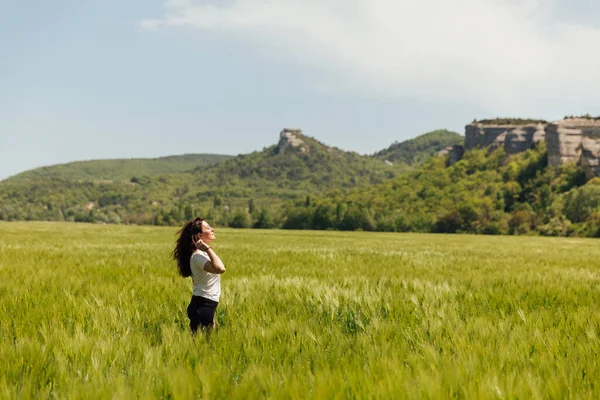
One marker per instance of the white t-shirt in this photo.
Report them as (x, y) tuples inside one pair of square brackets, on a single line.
[(206, 284)]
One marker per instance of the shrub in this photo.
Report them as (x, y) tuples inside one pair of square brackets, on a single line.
[(240, 220), (557, 226), (519, 223)]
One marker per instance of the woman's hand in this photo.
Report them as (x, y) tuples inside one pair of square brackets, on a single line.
[(200, 245)]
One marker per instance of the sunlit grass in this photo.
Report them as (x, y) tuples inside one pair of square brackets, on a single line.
[(98, 312)]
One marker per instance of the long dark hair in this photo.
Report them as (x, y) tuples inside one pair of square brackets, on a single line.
[(184, 246)]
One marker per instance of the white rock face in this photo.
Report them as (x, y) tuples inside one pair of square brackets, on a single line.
[(564, 144), (291, 138), (590, 156), (444, 151), (454, 153), (575, 141), (514, 138)]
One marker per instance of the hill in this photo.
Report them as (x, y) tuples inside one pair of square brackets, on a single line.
[(486, 192), (296, 167), (297, 163), (301, 183), (119, 169), (415, 152)]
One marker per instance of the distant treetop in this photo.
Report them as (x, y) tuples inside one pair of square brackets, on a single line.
[(585, 116), (510, 121)]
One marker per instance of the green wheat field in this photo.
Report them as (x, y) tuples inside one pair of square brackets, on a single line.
[(98, 312)]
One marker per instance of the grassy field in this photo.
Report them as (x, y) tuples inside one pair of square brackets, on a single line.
[(91, 311)]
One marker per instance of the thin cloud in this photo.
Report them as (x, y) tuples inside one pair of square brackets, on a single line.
[(505, 55)]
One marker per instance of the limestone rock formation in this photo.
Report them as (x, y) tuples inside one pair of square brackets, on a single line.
[(590, 156), (572, 140), (445, 151), (575, 140), (454, 153), (499, 141), (292, 138), (514, 138)]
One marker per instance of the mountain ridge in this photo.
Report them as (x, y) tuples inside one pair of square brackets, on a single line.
[(119, 168), (269, 177), (202, 159), (300, 183), (416, 150)]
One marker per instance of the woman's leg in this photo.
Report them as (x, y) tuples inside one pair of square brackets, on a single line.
[(194, 318), (206, 316), (201, 313)]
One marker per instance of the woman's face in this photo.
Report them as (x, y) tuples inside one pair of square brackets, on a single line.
[(208, 233)]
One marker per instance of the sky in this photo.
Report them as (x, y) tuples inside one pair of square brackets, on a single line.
[(107, 79)]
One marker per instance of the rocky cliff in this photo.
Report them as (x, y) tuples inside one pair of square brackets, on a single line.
[(575, 140), (514, 138), (454, 153), (292, 138), (570, 140)]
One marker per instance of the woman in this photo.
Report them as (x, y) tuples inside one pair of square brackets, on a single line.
[(197, 259)]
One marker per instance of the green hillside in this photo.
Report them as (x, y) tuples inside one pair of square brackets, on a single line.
[(120, 169), (309, 168), (486, 193), (415, 152), (260, 181), (300, 183)]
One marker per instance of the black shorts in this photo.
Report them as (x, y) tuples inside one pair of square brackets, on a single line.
[(201, 311)]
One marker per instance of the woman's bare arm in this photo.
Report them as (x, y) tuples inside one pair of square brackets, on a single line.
[(215, 265)]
